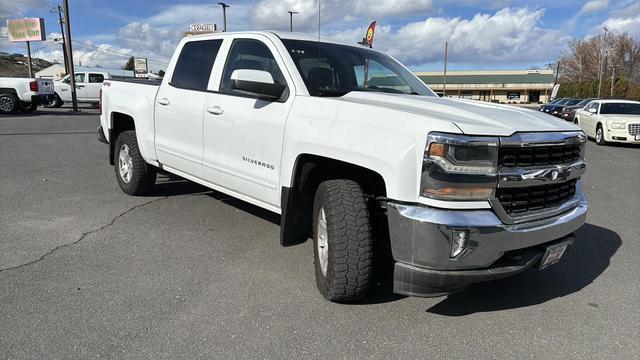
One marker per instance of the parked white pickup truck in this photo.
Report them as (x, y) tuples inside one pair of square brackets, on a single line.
[(88, 85), (24, 94), (345, 142)]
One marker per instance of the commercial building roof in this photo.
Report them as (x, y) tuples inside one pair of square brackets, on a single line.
[(489, 77)]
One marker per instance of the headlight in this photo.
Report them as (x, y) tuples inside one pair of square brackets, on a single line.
[(617, 125), (459, 167)]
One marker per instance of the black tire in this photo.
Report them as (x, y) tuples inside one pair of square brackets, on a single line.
[(142, 175), (56, 103), (9, 103), (349, 260), (600, 135)]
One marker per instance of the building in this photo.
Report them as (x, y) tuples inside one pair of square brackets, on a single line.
[(508, 86), (57, 71)]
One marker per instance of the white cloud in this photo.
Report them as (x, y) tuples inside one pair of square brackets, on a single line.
[(593, 6), (624, 20), (508, 36), (272, 14)]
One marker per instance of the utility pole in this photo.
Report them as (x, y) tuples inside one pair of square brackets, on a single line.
[(29, 59), (64, 53), (613, 76), (444, 81), (602, 61), (224, 15), (318, 20), (72, 74), (291, 19)]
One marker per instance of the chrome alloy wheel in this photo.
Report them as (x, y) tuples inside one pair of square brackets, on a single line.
[(322, 241), (599, 134), (125, 164), (6, 104)]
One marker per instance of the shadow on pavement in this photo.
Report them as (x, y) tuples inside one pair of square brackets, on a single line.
[(584, 262), (587, 259)]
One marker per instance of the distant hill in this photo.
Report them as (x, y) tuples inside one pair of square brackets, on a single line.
[(15, 65)]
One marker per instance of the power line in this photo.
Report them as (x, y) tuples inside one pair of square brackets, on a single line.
[(91, 46)]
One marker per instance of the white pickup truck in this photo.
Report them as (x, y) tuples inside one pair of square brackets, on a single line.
[(88, 85), (24, 94), (355, 152)]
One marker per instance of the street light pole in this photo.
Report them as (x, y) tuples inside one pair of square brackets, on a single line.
[(224, 15), (291, 19), (444, 81)]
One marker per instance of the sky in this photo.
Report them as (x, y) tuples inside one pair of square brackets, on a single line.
[(482, 34)]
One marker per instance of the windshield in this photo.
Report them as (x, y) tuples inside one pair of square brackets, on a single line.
[(572, 102), (335, 70), (555, 101), (620, 108), (584, 102)]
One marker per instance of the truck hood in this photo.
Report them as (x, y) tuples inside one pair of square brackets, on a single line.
[(470, 116)]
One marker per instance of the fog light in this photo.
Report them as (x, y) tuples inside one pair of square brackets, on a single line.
[(459, 242)]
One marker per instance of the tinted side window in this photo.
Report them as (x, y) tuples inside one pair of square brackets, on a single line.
[(249, 54), (96, 78), (194, 64)]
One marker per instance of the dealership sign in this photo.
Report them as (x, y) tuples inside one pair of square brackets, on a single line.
[(202, 28), (140, 67), (29, 29)]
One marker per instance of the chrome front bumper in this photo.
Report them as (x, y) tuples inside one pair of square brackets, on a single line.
[(421, 243)]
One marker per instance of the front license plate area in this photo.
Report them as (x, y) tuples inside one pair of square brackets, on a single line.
[(553, 254)]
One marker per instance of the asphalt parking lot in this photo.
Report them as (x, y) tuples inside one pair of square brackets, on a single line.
[(87, 271)]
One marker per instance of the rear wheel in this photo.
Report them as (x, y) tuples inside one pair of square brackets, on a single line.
[(55, 103), (8, 103), (600, 135), (135, 176), (343, 241)]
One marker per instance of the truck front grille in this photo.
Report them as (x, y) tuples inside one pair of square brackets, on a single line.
[(634, 129), (514, 156), (522, 200)]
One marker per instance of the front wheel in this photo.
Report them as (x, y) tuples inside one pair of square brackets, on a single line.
[(343, 242), (135, 176), (600, 136)]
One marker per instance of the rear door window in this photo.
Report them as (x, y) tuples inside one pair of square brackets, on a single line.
[(96, 78), (194, 64)]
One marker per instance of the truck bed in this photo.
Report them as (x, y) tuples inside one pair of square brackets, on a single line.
[(153, 82)]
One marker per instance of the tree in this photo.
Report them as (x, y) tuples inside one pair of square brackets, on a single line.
[(130, 65), (615, 55)]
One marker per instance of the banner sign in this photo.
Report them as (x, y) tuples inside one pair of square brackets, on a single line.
[(370, 33), (28, 29), (140, 67)]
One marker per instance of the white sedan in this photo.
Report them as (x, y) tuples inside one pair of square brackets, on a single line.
[(611, 121)]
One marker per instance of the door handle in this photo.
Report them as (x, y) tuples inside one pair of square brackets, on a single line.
[(79, 86), (163, 101), (215, 110)]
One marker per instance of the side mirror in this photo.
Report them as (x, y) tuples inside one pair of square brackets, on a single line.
[(593, 110), (256, 83)]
